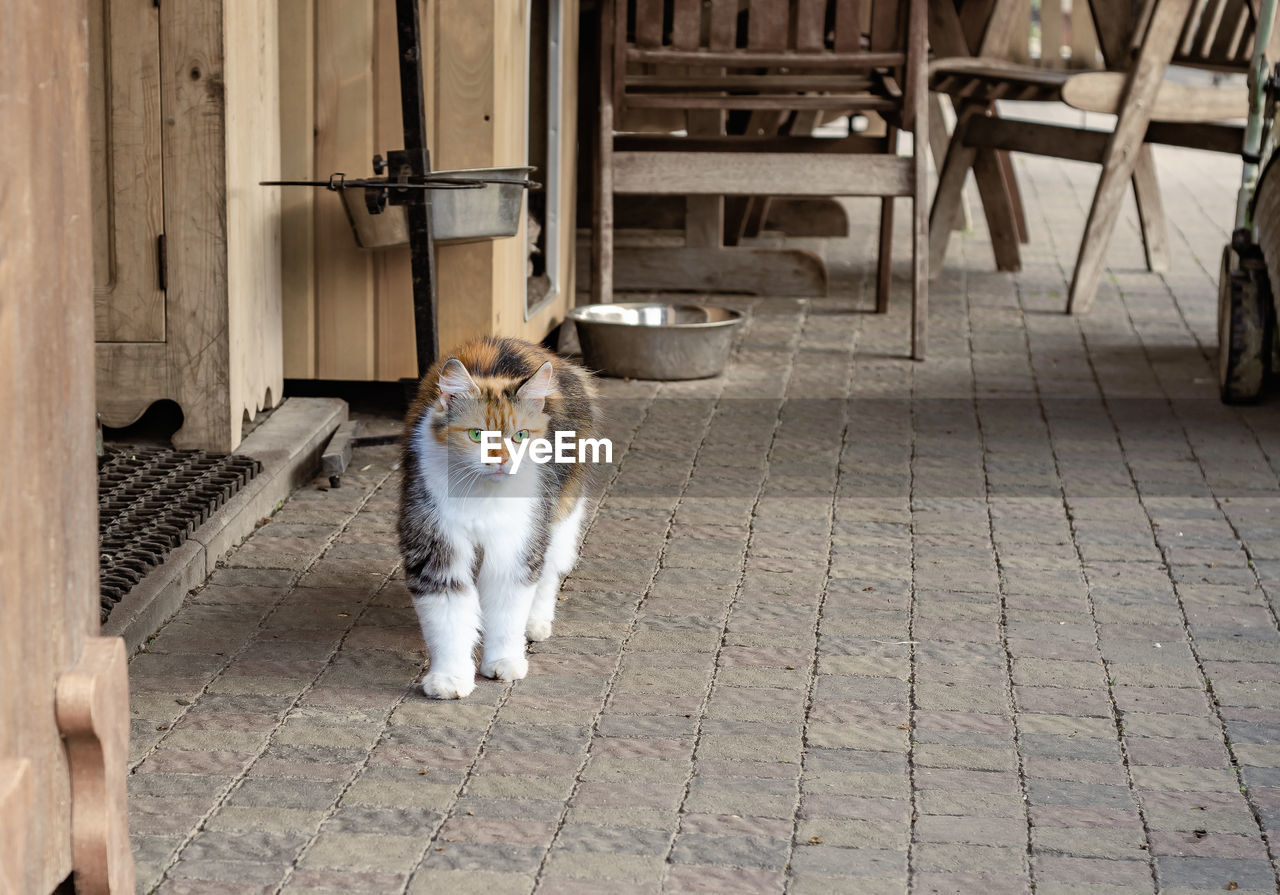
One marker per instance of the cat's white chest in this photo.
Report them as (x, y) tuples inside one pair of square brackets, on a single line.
[(483, 520)]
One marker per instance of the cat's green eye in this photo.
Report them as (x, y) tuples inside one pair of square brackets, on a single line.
[(474, 435), (520, 436)]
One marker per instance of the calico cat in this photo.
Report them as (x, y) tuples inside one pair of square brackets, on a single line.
[(486, 545)]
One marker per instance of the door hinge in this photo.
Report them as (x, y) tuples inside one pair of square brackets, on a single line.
[(162, 263)]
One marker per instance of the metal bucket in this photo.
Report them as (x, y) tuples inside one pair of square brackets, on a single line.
[(649, 340), (457, 216)]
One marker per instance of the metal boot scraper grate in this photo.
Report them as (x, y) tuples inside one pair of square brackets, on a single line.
[(150, 500)]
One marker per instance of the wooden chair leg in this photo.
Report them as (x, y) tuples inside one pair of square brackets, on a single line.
[(948, 195), (1015, 195), (997, 204), (919, 275), (884, 255), (1151, 221), (1124, 147), (704, 215), (1103, 214), (939, 136), (602, 186), (920, 222), (884, 264), (602, 225)]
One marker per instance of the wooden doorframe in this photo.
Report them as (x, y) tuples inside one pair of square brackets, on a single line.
[(61, 802)]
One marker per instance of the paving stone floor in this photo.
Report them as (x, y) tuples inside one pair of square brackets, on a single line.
[(999, 622)]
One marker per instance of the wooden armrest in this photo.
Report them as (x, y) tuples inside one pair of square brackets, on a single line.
[(997, 70), (1101, 91)]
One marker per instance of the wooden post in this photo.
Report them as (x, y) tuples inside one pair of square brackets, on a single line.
[(48, 512), (602, 184)]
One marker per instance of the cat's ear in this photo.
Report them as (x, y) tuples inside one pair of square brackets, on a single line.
[(537, 387), (455, 381)]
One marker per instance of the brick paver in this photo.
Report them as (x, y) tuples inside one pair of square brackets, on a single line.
[(1001, 621)]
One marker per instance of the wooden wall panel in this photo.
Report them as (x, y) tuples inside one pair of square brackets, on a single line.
[(128, 205), (343, 142), (192, 80), (394, 348), (360, 301), (480, 112), (221, 355), (297, 206), (253, 211)]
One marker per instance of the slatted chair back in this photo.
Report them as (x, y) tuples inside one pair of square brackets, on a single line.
[(1050, 34), (760, 54), (1218, 35), (1056, 34)]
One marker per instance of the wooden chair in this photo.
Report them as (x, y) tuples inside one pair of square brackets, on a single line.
[(1210, 34), (768, 58), (1048, 37)]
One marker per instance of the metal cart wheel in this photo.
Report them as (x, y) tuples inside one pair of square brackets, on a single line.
[(1244, 330)]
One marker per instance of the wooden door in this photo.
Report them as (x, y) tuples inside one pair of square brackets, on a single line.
[(63, 699), (128, 208)]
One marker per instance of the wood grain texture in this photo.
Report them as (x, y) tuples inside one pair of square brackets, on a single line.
[(297, 205), (475, 93), (810, 216), (917, 100), (811, 18), (939, 138), (128, 202), (767, 24), (221, 359), (849, 23), (686, 24), (481, 70), (648, 23), (343, 142), (1151, 219), (1103, 91), (728, 173), (1112, 23), (1085, 51), (723, 25), (255, 372), (193, 85), (478, 94), (949, 193), (395, 350), (93, 716), (15, 807), (602, 211), (886, 17), (1053, 34), (48, 514), (1059, 141), (754, 271)]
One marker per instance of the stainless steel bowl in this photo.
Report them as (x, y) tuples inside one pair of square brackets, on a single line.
[(648, 340)]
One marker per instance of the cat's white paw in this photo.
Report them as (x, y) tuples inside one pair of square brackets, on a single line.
[(508, 668), (537, 629), (448, 686)]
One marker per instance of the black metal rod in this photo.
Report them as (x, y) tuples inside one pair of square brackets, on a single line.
[(421, 245), (379, 183)]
